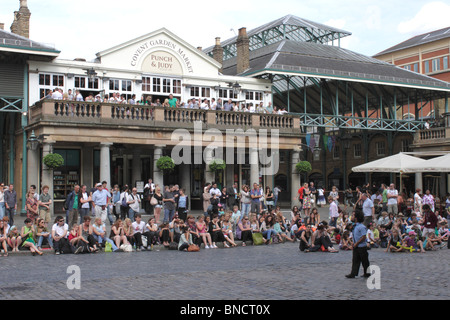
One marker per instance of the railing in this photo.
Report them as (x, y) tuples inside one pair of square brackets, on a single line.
[(89, 113), (433, 134), (233, 118), (184, 115)]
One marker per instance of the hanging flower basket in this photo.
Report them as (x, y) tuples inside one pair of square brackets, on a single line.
[(217, 165), (165, 164), (303, 167), (53, 160)]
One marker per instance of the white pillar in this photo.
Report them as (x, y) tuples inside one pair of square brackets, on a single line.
[(137, 167), (209, 175), (295, 178), (254, 166), (419, 183), (33, 168), (105, 163), (158, 178), (125, 170)]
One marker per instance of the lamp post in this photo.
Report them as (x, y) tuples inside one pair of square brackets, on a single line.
[(345, 139)]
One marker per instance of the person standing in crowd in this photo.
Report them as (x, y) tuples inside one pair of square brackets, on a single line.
[(334, 212), (73, 205), (360, 253), (100, 201), (45, 201), (368, 209), (392, 203), (313, 194), (255, 195), (245, 201), (10, 197), (149, 190), (134, 203), (32, 206), (276, 193), (430, 220), (183, 202), (232, 193), (169, 204), (384, 196), (116, 201)]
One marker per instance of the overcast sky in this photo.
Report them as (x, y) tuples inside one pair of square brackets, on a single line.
[(80, 29)]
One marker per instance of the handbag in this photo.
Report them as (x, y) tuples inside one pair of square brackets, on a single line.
[(193, 248), (257, 238), (126, 247), (153, 201)]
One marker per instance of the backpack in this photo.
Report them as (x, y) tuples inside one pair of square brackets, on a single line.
[(173, 246), (124, 203)]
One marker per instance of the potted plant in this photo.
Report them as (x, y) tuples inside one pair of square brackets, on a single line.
[(53, 161), (217, 165)]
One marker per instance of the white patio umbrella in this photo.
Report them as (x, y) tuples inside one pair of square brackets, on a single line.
[(400, 163), (439, 164)]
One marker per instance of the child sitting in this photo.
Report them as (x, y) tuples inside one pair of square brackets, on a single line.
[(412, 242)]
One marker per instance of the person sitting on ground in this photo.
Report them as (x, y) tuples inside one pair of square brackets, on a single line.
[(193, 230), (77, 243), (305, 235), (235, 217), (227, 230), (27, 234), (370, 237), (129, 231), (118, 234), (185, 239), (165, 234), (267, 229), (410, 241), (216, 231), (60, 233), (43, 234), (99, 231), (395, 241), (245, 230), (4, 237), (151, 232), (175, 229), (138, 230), (87, 235), (321, 238), (281, 230), (203, 231), (346, 241)]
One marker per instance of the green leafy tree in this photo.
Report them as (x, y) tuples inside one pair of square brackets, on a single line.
[(53, 160)]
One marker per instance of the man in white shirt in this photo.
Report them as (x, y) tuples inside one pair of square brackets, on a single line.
[(57, 95), (138, 226), (134, 202), (368, 210), (213, 104), (204, 105), (78, 96), (392, 204), (60, 231), (215, 190)]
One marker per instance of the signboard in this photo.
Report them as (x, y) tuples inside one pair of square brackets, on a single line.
[(140, 186), (161, 62)]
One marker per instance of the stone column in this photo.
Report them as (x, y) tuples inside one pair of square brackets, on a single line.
[(158, 178), (33, 168), (185, 179), (209, 175), (87, 176), (419, 183), (125, 170), (47, 174), (105, 163), (295, 178), (254, 166), (137, 167)]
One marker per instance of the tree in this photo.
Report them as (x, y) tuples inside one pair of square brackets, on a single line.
[(165, 164), (303, 167)]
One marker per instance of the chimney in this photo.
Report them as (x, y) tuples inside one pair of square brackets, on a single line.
[(243, 51), (200, 48), (218, 53), (21, 23)]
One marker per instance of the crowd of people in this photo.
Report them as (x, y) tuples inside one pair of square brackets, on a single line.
[(249, 214), (169, 102), (392, 221)]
